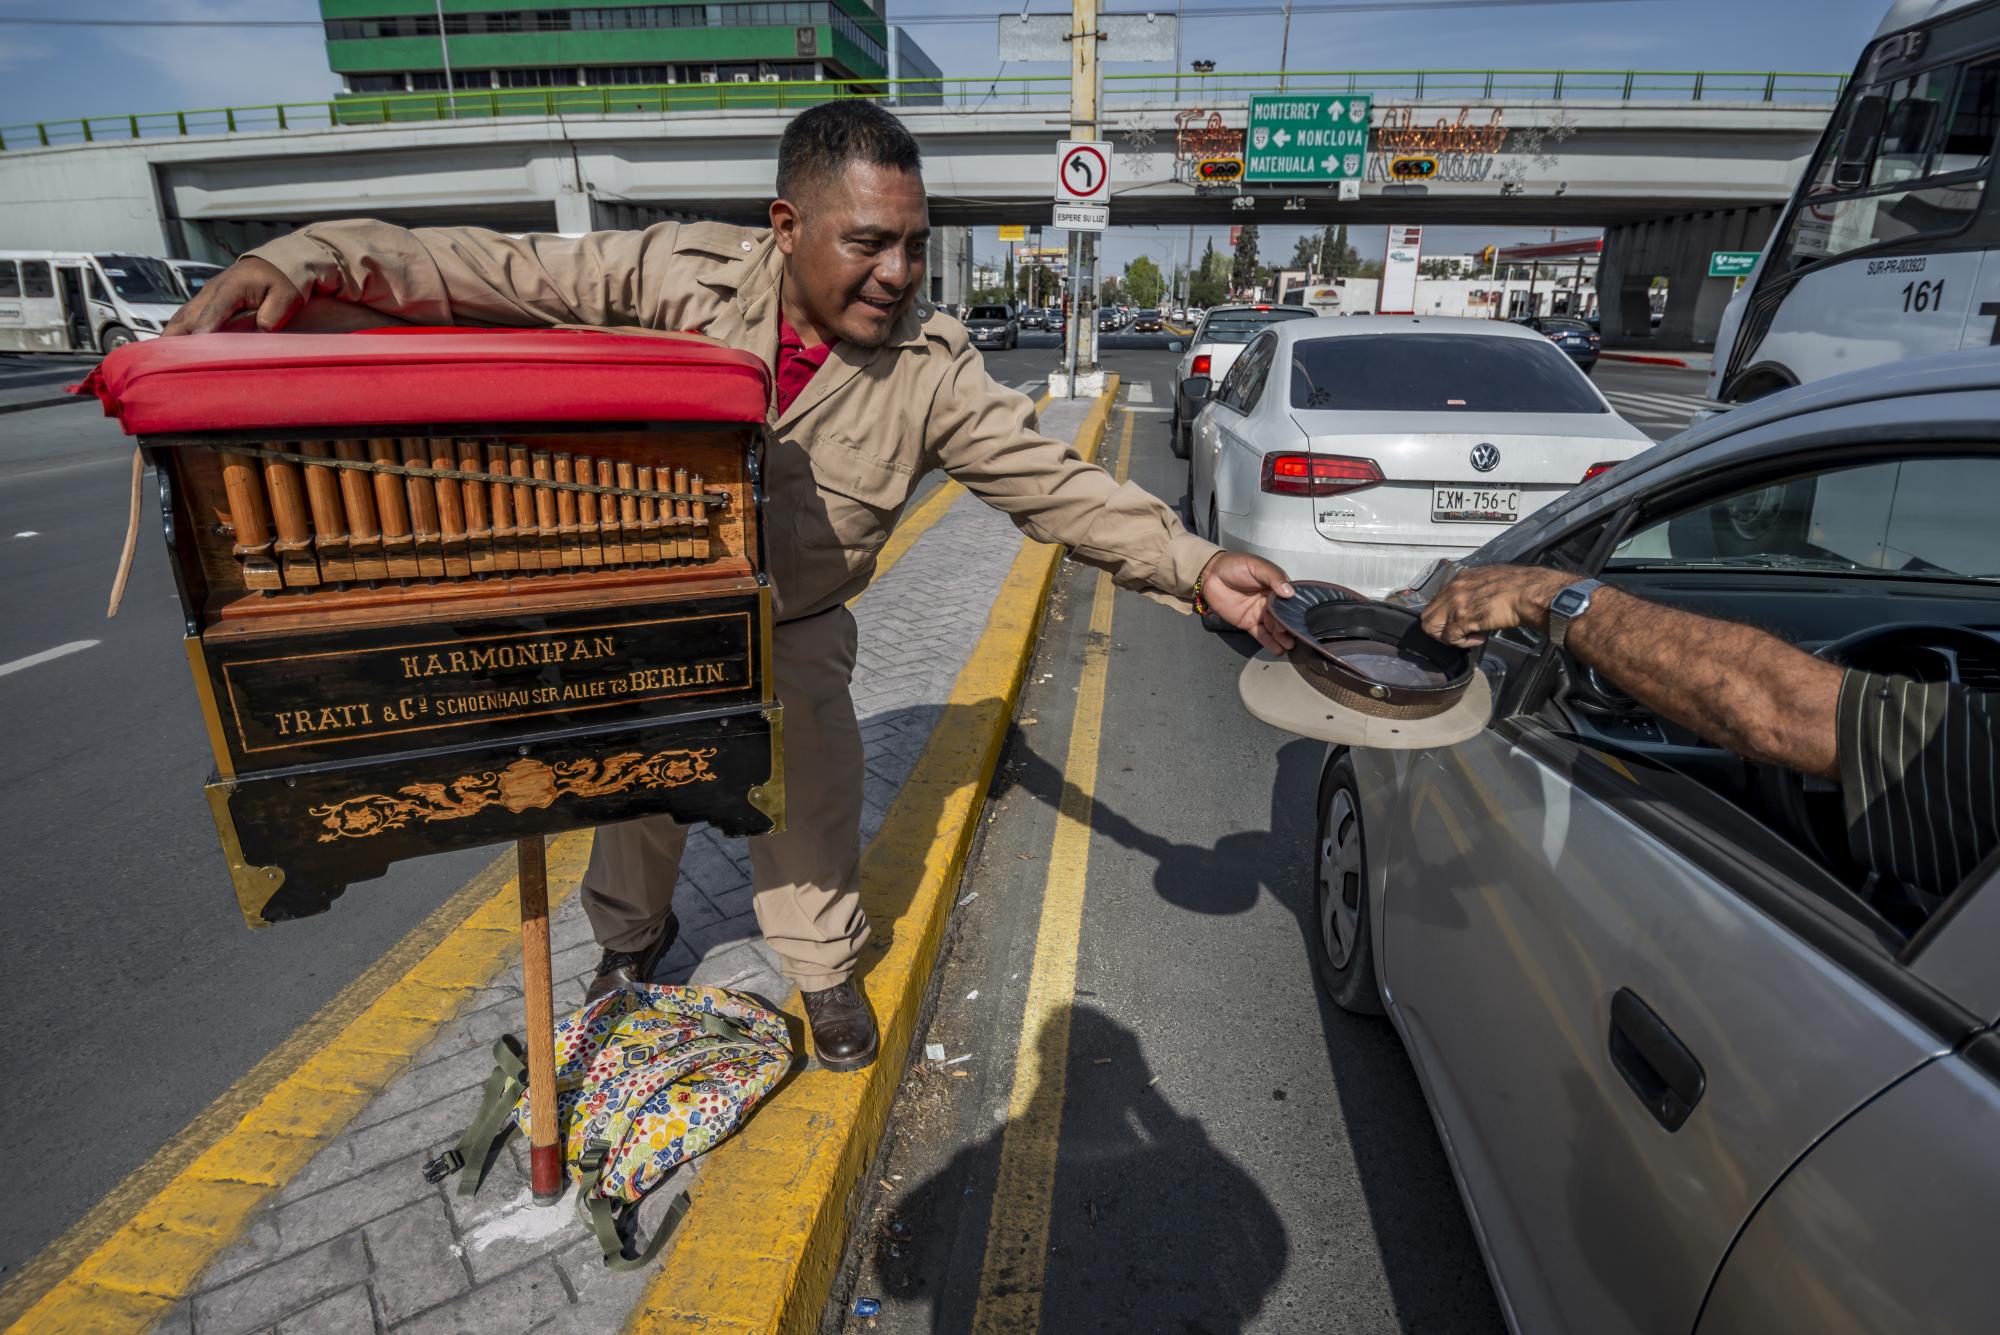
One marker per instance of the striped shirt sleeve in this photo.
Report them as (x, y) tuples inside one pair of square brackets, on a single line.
[(1918, 777)]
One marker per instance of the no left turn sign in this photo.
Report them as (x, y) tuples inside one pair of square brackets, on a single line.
[(1083, 172)]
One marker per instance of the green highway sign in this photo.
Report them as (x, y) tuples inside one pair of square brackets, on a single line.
[(1731, 263), (1300, 138)]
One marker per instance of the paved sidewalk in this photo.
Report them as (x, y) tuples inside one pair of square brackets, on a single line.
[(359, 1242)]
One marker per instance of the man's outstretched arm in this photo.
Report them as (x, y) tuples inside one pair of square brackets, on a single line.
[(1739, 687), (443, 275), (984, 435)]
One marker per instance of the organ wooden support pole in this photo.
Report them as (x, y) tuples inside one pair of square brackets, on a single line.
[(545, 1165)]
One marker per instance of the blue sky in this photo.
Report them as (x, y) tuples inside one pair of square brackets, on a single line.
[(55, 72)]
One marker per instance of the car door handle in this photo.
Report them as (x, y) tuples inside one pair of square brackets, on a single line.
[(1656, 1065)]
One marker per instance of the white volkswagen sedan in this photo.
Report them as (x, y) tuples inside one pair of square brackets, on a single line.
[(1361, 450)]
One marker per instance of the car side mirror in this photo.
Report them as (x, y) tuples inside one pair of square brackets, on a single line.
[(1195, 389), (1175, 345)]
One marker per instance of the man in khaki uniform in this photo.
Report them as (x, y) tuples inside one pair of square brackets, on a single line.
[(873, 388)]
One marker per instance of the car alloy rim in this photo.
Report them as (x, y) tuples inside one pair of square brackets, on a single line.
[(1340, 879)]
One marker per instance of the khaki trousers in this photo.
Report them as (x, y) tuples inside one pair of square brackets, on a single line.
[(807, 879)]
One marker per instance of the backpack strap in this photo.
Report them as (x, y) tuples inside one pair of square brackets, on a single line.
[(495, 1120), (601, 1213)]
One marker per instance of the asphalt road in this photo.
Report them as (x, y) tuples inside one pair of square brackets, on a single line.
[(1232, 1152), (133, 994)]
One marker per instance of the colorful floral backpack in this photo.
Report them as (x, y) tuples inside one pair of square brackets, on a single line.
[(646, 1079)]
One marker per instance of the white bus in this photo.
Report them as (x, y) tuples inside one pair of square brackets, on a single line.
[(1890, 246), (72, 301)]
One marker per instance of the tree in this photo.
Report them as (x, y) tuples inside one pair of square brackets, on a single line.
[(1110, 293), (1007, 275), (1243, 269), (1036, 283), (1143, 281), (1307, 253), (1342, 259)]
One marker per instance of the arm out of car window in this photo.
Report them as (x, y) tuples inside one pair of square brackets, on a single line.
[(1739, 687)]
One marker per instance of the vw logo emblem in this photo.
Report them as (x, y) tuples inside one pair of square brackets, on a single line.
[(1485, 456)]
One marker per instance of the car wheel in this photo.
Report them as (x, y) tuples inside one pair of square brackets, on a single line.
[(1209, 620), (1343, 951), (114, 337)]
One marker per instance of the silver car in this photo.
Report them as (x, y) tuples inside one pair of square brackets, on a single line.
[(1362, 450), (1693, 1075), (1212, 350)]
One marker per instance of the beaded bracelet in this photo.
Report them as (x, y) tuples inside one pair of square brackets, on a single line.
[(1201, 609)]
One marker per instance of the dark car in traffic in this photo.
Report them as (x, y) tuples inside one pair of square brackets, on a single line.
[(993, 326), (1569, 333), (1147, 322)]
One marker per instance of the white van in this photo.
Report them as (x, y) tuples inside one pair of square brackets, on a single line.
[(193, 274), (72, 301)]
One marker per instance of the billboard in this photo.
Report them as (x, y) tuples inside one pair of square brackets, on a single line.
[(1398, 294)]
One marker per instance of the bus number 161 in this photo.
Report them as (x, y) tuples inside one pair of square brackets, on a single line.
[(1923, 296)]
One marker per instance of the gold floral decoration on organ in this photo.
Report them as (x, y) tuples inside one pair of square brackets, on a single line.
[(523, 785)]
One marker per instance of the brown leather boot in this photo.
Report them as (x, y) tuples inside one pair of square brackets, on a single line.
[(626, 968), (843, 1029)]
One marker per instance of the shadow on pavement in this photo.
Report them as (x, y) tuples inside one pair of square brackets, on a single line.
[(1151, 1224), (1436, 1277)]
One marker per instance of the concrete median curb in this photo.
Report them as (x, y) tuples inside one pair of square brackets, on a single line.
[(1692, 361), (769, 1215)]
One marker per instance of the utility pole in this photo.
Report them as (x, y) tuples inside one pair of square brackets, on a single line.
[(1085, 379), (1285, 47), (444, 49)]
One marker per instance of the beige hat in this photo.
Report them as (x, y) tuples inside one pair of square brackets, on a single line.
[(1363, 673)]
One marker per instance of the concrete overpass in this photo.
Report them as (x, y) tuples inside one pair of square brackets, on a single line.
[(1610, 162)]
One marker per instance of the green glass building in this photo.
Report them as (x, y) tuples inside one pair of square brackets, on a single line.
[(395, 46)]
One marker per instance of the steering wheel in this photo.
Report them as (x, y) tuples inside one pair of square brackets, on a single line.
[(1927, 650)]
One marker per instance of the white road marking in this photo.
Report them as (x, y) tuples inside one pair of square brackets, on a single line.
[(27, 533), (1140, 392), (1030, 386), (1674, 402), (47, 655)]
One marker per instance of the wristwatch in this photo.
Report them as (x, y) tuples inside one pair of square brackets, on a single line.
[(1568, 605)]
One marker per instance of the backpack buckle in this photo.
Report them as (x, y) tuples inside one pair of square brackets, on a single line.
[(442, 1167), (592, 1158)]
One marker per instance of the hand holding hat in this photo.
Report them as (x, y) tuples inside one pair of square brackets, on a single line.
[(1364, 673), (1482, 599), (1240, 589)]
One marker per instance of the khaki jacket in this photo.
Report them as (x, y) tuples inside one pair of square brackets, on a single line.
[(847, 452)]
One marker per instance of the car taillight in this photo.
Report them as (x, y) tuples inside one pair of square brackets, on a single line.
[(1201, 364), (1317, 474), (1595, 469)]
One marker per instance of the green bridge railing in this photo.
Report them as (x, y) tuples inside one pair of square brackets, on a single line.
[(1126, 92)]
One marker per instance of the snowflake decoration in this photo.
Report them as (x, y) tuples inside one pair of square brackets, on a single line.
[(1139, 150)]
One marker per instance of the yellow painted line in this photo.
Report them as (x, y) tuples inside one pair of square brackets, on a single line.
[(140, 1249), (1017, 1237), (769, 1215)]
